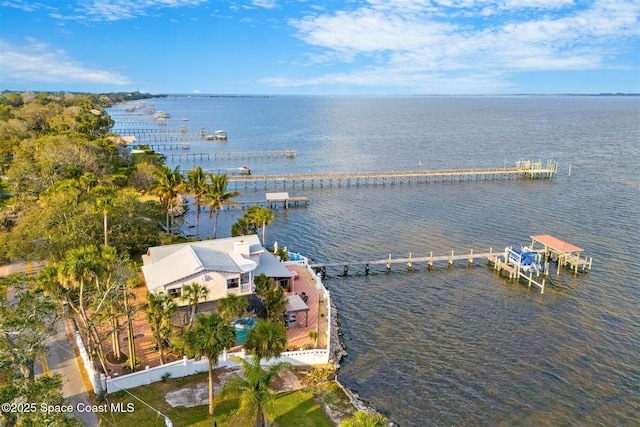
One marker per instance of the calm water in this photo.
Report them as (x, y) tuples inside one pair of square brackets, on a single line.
[(461, 346)]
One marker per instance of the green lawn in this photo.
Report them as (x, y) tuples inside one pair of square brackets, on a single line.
[(298, 408)]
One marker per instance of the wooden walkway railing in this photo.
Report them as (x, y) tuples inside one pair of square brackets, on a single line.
[(229, 155), (535, 171)]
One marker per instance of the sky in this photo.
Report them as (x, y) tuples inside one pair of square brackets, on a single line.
[(323, 47)]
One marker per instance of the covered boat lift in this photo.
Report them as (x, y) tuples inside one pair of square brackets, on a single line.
[(564, 252)]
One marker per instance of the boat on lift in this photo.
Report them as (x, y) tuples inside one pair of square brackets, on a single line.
[(519, 255)]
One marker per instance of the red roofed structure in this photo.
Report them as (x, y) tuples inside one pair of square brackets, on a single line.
[(566, 253), (555, 243)]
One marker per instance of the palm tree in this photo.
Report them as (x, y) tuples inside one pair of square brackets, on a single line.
[(231, 306), (169, 183), (254, 387), (197, 186), (274, 297), (268, 339), (242, 228), (260, 216), (75, 274), (193, 293), (159, 310), (363, 419), (217, 196), (209, 337)]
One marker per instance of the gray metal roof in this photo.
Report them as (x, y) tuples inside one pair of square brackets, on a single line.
[(189, 260)]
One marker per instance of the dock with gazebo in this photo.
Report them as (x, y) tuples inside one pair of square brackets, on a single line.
[(553, 249), (564, 253)]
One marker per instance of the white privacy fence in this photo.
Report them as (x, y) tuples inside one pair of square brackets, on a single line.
[(185, 367)]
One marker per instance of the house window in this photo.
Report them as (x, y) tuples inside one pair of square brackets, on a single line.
[(175, 293), (284, 284), (233, 283)]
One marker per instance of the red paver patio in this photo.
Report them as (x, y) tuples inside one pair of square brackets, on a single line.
[(297, 336)]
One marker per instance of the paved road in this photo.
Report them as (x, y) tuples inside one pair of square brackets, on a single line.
[(62, 359)]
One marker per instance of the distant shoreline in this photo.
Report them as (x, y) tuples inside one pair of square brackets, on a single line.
[(603, 94)]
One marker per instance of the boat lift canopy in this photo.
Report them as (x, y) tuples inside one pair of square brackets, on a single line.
[(555, 244)]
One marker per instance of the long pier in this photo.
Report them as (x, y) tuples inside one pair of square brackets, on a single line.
[(530, 170), (234, 155), (429, 260), (495, 259)]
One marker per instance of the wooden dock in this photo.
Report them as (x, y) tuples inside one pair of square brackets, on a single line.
[(529, 170), (276, 203), (233, 155), (409, 262), (492, 258), (168, 145), (163, 134), (495, 259)]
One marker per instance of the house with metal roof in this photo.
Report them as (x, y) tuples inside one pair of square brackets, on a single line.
[(223, 266)]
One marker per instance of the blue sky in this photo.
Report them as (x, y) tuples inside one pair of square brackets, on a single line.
[(321, 47)]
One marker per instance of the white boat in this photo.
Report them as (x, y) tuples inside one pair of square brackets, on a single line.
[(518, 255), (219, 135), (161, 115)]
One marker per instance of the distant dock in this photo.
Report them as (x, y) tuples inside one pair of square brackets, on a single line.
[(523, 169), (233, 155), (275, 200)]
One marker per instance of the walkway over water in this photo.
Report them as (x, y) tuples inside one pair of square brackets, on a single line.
[(523, 169), (229, 155), (499, 261)]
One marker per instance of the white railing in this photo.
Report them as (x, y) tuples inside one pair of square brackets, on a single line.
[(302, 261), (94, 378), (186, 367)]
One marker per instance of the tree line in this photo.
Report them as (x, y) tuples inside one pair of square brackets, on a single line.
[(69, 195)]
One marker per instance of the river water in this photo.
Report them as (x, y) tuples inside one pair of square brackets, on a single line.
[(460, 345)]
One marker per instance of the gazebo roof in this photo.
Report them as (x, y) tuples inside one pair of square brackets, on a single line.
[(295, 304)]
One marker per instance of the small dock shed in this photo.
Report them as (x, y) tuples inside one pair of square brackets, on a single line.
[(274, 199)]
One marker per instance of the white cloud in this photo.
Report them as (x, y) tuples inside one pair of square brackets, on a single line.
[(267, 4), (115, 10), (414, 43), (38, 62), (25, 6)]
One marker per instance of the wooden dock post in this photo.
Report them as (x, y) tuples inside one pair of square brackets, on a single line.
[(409, 263), (430, 263), (451, 259), (471, 258), (389, 264), (366, 268)]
